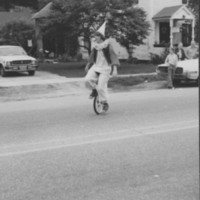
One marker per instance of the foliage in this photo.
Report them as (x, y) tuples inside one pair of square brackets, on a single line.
[(67, 58), (59, 33), (34, 4), (17, 33), (159, 59), (132, 60), (194, 6), (7, 4), (75, 18), (71, 19), (41, 3)]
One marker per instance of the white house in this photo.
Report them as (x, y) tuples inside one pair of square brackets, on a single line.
[(171, 22)]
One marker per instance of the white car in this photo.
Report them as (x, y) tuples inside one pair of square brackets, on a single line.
[(15, 59), (186, 70)]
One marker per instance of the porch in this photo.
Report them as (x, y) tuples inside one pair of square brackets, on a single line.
[(173, 25)]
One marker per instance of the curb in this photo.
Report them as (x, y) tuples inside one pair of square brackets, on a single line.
[(58, 80), (136, 75), (57, 87)]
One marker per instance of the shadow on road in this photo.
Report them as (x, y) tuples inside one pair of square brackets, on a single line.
[(187, 85), (16, 74)]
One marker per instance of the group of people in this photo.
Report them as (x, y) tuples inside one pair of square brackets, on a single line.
[(179, 54), (103, 60)]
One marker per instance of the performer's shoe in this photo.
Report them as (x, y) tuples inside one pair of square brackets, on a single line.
[(93, 94), (105, 106)]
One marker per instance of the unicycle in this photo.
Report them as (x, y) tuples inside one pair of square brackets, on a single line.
[(97, 105)]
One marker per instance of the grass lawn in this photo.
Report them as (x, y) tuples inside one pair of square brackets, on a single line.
[(76, 69)]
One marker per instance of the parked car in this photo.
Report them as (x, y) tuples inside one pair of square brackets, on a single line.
[(186, 70), (15, 59)]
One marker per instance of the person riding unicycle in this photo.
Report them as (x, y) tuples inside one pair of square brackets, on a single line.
[(102, 62)]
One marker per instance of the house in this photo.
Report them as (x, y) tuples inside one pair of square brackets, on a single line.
[(39, 17), (171, 22)]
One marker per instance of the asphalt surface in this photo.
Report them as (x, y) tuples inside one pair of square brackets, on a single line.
[(144, 148)]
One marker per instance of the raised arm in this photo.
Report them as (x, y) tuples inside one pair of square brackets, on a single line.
[(100, 46)]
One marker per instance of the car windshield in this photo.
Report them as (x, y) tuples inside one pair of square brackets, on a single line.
[(12, 51)]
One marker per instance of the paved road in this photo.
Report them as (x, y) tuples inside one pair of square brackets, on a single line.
[(145, 148)]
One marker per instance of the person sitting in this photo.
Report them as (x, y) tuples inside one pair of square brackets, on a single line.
[(180, 52), (192, 51)]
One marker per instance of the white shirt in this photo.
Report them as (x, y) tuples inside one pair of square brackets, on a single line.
[(101, 64), (172, 59)]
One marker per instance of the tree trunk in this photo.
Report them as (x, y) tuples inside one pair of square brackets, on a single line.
[(89, 46), (39, 40)]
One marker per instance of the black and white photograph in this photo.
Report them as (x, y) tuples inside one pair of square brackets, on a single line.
[(99, 100)]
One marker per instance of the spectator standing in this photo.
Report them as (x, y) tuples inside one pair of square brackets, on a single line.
[(192, 51), (171, 60)]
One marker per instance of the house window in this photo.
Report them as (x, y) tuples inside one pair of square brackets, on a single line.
[(164, 33), (186, 31), (184, 1)]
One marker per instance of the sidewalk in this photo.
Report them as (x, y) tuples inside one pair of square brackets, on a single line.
[(45, 78), (40, 78), (45, 84)]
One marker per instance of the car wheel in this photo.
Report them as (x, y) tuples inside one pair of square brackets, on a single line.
[(31, 73), (197, 81), (3, 73)]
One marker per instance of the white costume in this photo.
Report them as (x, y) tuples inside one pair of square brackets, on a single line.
[(102, 62), (103, 68)]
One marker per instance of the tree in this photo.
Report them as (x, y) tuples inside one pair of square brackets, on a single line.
[(126, 23), (17, 33), (42, 3), (59, 31), (194, 6), (7, 4)]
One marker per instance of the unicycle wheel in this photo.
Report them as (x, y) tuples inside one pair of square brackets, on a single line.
[(97, 105)]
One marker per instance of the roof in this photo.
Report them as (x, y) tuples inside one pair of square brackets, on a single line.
[(44, 12), (167, 12), (6, 17)]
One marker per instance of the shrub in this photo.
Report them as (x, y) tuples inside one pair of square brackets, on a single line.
[(78, 57), (18, 33), (132, 60), (65, 58), (159, 59)]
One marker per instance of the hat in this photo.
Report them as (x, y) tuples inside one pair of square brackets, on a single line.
[(101, 30)]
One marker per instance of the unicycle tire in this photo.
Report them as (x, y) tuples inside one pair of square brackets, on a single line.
[(97, 105)]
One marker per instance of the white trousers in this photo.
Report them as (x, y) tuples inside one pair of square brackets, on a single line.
[(93, 80)]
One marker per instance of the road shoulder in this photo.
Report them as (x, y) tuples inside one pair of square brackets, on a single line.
[(47, 85)]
